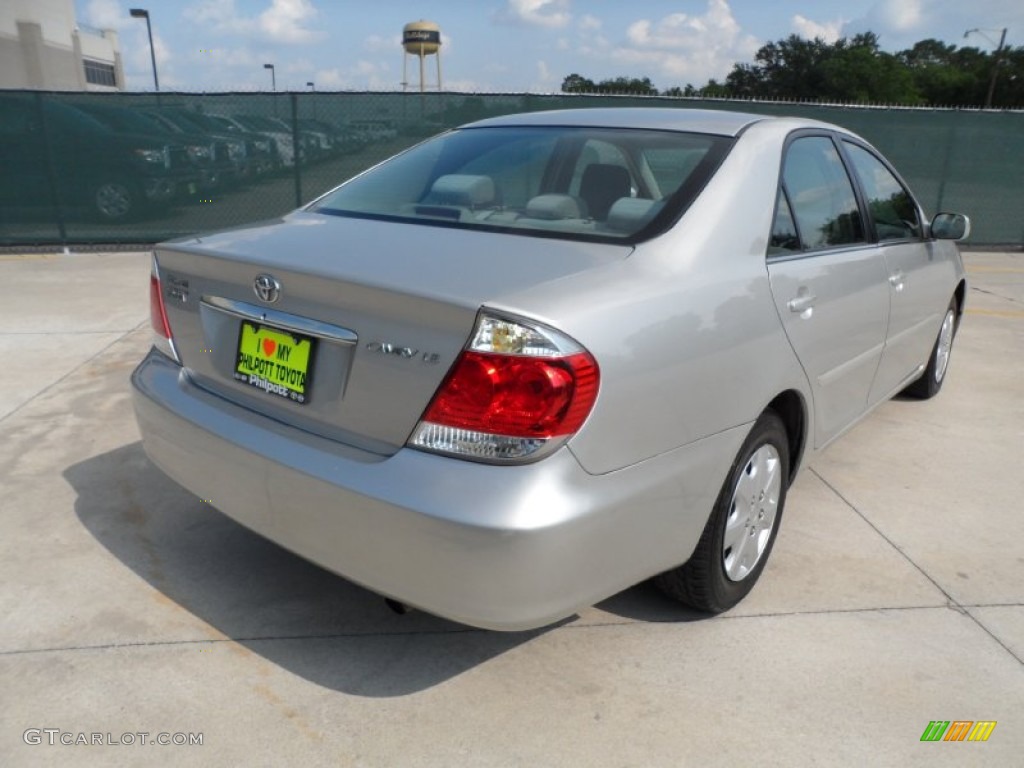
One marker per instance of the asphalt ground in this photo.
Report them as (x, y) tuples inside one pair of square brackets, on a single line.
[(894, 596)]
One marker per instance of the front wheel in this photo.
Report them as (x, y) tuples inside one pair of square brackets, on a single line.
[(116, 200), (741, 531), (938, 363)]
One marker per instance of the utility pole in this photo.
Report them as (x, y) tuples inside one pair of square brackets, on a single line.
[(995, 60), (995, 70)]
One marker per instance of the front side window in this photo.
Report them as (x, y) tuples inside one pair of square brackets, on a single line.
[(889, 204), (821, 195), (580, 183)]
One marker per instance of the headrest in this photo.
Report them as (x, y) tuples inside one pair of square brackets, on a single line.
[(462, 189), (555, 207), (629, 214)]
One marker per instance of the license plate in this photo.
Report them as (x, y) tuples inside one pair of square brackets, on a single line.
[(275, 361)]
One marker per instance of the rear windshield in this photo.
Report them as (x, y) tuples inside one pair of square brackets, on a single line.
[(579, 183)]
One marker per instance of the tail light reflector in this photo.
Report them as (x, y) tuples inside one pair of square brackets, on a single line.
[(157, 310), (163, 339)]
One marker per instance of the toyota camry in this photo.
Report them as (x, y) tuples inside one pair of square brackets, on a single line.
[(540, 358)]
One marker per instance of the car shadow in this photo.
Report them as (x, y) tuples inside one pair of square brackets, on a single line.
[(277, 605), (646, 603)]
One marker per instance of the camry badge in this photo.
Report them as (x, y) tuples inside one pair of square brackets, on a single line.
[(267, 288)]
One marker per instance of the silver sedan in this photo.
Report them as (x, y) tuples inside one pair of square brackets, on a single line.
[(538, 359)]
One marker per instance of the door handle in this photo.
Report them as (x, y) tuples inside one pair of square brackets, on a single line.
[(802, 303), (896, 280)]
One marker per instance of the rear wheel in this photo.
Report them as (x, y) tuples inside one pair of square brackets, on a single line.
[(935, 372), (741, 531)]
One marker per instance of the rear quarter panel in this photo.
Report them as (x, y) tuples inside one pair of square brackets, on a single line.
[(685, 330)]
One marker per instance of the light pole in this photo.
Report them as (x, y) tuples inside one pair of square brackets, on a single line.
[(273, 76), (995, 60), (142, 13)]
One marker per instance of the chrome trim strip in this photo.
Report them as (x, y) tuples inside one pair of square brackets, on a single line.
[(283, 320)]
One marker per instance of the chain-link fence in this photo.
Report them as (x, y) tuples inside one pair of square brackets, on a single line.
[(137, 168)]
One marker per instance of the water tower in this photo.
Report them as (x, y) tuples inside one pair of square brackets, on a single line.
[(422, 39)]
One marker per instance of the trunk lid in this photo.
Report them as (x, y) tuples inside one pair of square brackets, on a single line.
[(386, 307)]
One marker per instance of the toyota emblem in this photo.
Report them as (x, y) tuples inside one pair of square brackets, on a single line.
[(267, 288)]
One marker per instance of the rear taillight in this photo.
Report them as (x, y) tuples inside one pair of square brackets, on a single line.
[(518, 391), (157, 311), (162, 339)]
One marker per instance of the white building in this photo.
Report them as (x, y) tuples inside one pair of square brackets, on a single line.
[(43, 47)]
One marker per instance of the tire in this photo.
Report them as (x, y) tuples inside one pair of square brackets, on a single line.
[(115, 200), (938, 362), (738, 538)]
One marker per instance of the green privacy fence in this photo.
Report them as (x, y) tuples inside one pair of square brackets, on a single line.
[(138, 168)]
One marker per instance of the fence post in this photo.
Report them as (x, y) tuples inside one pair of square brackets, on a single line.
[(297, 148), (51, 171)]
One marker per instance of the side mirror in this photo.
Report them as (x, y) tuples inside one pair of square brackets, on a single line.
[(951, 226)]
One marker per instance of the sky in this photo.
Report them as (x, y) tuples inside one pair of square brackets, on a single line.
[(496, 46)]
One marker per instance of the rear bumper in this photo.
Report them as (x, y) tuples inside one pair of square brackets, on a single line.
[(505, 548)]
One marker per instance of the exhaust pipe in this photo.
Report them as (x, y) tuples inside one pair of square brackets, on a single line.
[(400, 608)]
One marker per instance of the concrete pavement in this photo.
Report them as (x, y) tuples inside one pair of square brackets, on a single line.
[(894, 597)]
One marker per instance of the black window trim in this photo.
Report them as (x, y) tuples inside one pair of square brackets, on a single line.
[(869, 234), (838, 139), (782, 193), (862, 197)]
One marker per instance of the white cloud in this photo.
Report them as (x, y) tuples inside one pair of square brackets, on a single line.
[(552, 14), (899, 22), (137, 62), (331, 80), (466, 85), (687, 48), (829, 31), (361, 75), (219, 16), (381, 44), (546, 80), (285, 21), (898, 15), (106, 14), (221, 58), (589, 23), (365, 68), (298, 66)]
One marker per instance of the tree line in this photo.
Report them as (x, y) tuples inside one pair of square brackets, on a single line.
[(852, 71)]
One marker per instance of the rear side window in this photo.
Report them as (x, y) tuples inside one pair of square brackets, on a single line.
[(889, 204), (823, 202), (784, 237)]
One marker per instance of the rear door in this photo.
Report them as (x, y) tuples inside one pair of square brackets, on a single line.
[(919, 283), (829, 283)]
